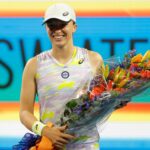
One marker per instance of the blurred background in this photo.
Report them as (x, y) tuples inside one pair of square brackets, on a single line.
[(110, 27)]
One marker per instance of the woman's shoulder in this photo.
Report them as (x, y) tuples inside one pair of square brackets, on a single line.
[(32, 61), (31, 65), (90, 53), (95, 57)]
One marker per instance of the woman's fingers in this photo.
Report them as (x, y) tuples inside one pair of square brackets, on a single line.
[(67, 136), (60, 144), (62, 128), (63, 141)]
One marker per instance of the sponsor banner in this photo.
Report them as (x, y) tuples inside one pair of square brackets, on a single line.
[(22, 38)]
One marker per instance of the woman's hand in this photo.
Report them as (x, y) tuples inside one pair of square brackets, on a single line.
[(57, 136)]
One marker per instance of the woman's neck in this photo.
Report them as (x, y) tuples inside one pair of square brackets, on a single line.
[(63, 54)]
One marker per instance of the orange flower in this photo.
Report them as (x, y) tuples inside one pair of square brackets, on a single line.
[(97, 90), (136, 58)]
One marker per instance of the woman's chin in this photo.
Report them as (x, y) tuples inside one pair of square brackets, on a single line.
[(60, 44)]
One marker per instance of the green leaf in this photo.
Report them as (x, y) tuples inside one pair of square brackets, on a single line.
[(81, 138), (71, 104)]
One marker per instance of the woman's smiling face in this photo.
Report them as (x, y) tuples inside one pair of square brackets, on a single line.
[(60, 32)]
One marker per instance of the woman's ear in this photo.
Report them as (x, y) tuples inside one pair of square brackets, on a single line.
[(47, 29), (75, 27)]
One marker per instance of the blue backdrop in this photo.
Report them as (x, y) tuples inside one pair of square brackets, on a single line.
[(22, 38)]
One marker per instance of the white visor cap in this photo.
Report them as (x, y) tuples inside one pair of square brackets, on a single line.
[(60, 11)]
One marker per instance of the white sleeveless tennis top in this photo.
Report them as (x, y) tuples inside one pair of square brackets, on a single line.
[(57, 83)]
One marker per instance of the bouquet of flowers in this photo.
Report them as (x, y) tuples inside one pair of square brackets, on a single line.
[(113, 86)]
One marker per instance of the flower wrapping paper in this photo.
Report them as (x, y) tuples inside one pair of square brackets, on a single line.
[(112, 87)]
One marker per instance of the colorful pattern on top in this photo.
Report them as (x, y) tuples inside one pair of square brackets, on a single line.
[(57, 83)]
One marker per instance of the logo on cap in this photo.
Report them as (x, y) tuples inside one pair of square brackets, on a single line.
[(66, 13)]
